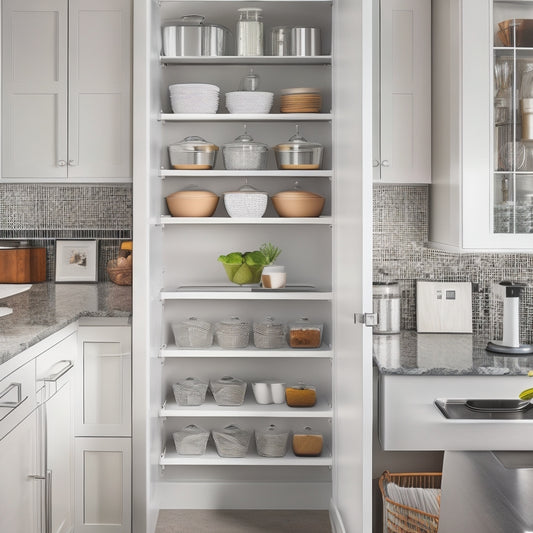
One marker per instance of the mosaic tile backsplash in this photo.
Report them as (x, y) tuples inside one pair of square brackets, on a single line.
[(42, 213), (401, 252)]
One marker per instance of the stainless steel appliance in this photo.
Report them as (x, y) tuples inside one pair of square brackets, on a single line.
[(509, 292)]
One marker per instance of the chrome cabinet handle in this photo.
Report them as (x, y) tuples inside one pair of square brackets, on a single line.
[(385, 163), (72, 163), (375, 163), (54, 377), (7, 390), (61, 163)]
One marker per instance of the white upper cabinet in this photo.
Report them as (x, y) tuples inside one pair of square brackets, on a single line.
[(402, 92), (482, 160), (66, 89)]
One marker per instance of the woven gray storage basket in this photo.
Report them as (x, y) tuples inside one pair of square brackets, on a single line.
[(190, 391), (271, 442), (228, 390), (232, 441), (191, 440)]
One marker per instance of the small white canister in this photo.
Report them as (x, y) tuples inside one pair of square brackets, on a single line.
[(386, 304), (274, 277)]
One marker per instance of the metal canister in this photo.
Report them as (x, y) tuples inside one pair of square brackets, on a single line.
[(305, 41), (280, 43), (386, 304)]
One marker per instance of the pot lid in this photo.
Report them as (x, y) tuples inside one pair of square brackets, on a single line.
[(192, 20), (296, 192), (192, 191), (246, 189), (194, 143), (297, 143), (246, 142)]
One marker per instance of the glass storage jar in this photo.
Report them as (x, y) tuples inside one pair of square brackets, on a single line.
[(244, 153), (250, 32), (298, 154), (305, 334)]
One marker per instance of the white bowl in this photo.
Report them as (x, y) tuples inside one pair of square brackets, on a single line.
[(248, 205), (194, 104), (249, 101), (193, 87)]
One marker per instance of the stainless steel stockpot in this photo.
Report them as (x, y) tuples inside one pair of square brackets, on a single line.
[(191, 36)]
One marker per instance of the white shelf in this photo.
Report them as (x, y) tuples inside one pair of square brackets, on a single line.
[(246, 173), (250, 409), (246, 60), (169, 220), (170, 457), (248, 117), (324, 352), (241, 295)]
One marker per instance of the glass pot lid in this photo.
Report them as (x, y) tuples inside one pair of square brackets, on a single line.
[(194, 143), (246, 143), (297, 143), (192, 20)]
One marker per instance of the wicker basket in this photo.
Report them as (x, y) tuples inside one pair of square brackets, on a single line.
[(121, 275), (398, 518)]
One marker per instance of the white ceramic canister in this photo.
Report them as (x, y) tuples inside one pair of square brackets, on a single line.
[(274, 277)]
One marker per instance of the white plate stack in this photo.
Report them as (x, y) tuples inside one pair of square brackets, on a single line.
[(194, 98)]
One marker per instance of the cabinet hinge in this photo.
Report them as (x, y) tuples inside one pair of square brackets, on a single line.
[(368, 319)]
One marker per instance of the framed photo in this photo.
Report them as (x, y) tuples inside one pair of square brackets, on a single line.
[(76, 261)]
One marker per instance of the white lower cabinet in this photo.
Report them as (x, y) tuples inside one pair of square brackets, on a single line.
[(20, 494), (103, 485)]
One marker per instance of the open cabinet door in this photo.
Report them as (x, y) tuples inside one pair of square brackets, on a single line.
[(352, 476)]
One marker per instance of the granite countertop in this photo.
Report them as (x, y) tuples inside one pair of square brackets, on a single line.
[(48, 307), (443, 354)]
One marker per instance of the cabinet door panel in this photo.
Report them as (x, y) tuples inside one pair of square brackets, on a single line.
[(105, 379), (34, 80), (100, 94), (19, 494), (103, 485), (405, 91)]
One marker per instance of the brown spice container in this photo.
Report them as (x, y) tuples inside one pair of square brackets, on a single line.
[(300, 396), (307, 444)]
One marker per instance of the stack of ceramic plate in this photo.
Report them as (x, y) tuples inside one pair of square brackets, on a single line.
[(249, 101), (194, 98), (300, 100)]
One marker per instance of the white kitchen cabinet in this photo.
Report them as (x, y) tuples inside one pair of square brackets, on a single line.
[(55, 383), (103, 485), (182, 253), (104, 381), (402, 91), (20, 494), (480, 193), (66, 90)]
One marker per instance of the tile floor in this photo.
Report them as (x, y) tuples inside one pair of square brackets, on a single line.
[(242, 521)]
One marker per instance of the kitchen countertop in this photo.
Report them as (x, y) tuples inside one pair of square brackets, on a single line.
[(48, 307), (443, 354)]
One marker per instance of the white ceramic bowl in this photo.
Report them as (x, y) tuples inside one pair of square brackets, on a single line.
[(243, 204), (249, 101), (194, 104)]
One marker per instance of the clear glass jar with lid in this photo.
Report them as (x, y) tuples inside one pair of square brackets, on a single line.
[(250, 31), (245, 154), (298, 153)]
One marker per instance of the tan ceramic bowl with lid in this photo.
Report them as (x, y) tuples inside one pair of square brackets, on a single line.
[(296, 202), (192, 202)]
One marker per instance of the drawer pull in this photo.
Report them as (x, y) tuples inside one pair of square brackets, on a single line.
[(6, 391), (54, 377)]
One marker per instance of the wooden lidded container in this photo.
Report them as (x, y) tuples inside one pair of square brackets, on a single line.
[(22, 265)]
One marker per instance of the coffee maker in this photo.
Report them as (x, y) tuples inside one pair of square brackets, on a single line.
[(509, 292)]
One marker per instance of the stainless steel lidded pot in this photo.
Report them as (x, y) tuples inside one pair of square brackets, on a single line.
[(298, 154), (191, 36)]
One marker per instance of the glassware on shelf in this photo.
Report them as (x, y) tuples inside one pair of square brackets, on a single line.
[(503, 101), (504, 218), (250, 82), (512, 156), (250, 31)]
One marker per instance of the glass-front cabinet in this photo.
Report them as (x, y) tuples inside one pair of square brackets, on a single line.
[(513, 117)]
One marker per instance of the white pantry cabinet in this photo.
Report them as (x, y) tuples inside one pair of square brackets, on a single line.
[(66, 90), (482, 168), (402, 91), (103, 427), (328, 253)]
